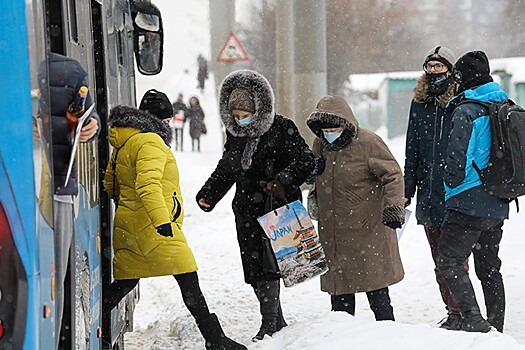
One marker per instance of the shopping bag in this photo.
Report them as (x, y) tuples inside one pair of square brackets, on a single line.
[(295, 242)]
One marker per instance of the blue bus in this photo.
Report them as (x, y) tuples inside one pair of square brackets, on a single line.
[(108, 38)]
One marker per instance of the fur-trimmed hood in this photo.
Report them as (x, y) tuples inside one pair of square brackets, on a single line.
[(421, 92), (123, 116), (262, 92), (333, 110)]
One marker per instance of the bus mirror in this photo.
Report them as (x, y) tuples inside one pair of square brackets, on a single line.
[(148, 38)]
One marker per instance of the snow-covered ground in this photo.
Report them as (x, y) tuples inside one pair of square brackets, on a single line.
[(163, 322)]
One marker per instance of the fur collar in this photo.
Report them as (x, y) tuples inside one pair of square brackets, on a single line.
[(123, 116), (421, 92), (264, 103)]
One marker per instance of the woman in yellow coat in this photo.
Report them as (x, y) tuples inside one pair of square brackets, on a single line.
[(143, 179)]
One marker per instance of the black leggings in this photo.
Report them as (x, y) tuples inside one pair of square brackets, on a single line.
[(189, 287)]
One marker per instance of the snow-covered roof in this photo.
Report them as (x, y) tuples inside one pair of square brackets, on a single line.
[(373, 82), (512, 65)]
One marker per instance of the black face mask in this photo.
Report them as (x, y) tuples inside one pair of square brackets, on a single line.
[(438, 83)]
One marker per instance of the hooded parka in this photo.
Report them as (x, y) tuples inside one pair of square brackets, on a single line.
[(269, 148), (144, 181), (360, 188), (426, 145)]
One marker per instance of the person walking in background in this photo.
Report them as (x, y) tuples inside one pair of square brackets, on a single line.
[(202, 74), (474, 218), (429, 125), (60, 81), (265, 157), (360, 198), (197, 126), (179, 119), (143, 179)]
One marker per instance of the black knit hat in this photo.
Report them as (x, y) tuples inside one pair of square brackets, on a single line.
[(156, 103), (471, 70), (441, 54), (242, 99)]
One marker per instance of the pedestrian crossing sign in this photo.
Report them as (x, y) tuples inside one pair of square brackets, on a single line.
[(232, 51)]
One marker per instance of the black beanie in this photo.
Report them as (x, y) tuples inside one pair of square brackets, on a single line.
[(156, 103), (471, 70), (241, 99)]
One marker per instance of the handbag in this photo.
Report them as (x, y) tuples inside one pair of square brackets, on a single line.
[(204, 130), (295, 243), (269, 262)]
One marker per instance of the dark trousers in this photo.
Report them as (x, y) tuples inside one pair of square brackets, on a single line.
[(189, 287), (196, 141), (178, 134), (462, 235), (433, 235), (379, 301)]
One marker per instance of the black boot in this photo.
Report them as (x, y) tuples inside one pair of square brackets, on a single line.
[(474, 322), (268, 295), (214, 337)]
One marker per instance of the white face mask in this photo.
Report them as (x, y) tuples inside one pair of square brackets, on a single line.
[(332, 136)]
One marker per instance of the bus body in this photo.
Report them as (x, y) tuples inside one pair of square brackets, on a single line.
[(104, 37)]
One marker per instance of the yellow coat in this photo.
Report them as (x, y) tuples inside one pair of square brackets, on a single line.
[(148, 192)]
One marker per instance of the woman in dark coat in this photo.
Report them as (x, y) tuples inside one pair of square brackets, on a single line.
[(264, 154), (196, 116)]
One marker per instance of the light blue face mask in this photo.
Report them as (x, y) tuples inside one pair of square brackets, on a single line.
[(332, 136), (244, 122)]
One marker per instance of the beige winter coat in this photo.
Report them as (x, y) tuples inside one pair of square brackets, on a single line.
[(360, 188)]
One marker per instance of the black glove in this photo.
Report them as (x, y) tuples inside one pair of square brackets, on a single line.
[(275, 187), (408, 200), (319, 164), (165, 230), (393, 224)]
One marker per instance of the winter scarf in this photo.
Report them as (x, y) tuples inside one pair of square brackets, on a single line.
[(421, 92)]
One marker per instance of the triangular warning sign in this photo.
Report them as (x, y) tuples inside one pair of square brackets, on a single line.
[(232, 51)]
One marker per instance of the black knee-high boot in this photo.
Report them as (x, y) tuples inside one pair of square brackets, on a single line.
[(214, 336), (207, 322), (272, 319)]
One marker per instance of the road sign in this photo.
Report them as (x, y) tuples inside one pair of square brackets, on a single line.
[(232, 51)]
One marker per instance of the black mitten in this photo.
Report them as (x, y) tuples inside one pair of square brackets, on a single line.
[(165, 230), (319, 165), (393, 216), (393, 224), (275, 187)]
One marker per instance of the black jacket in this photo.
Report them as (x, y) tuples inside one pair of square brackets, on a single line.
[(66, 76), (270, 148), (426, 144)]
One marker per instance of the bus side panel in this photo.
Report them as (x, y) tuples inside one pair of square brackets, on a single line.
[(18, 197), (87, 255)]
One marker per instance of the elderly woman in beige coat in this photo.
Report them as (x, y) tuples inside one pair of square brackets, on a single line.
[(360, 198)]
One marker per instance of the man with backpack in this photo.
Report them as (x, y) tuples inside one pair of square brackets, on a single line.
[(474, 218)]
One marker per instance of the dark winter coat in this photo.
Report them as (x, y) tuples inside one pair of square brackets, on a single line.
[(426, 144), (59, 88), (196, 116), (145, 184), (269, 148), (360, 188), (470, 141), (179, 106)]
